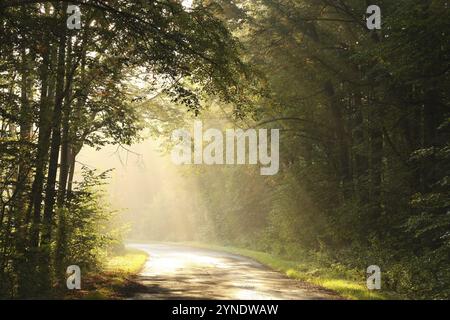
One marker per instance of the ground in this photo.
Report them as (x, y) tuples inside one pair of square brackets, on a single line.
[(181, 272), (206, 271), (116, 280)]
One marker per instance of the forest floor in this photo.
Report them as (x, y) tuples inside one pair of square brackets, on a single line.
[(115, 280)]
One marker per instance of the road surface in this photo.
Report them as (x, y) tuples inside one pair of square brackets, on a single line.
[(182, 272)]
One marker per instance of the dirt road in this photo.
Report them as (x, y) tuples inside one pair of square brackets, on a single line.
[(181, 272)]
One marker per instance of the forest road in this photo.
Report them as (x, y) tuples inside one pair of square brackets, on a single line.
[(175, 271)]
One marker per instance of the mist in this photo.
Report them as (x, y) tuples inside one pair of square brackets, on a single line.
[(153, 198)]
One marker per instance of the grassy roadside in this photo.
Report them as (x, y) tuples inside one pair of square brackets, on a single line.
[(349, 284), (115, 279)]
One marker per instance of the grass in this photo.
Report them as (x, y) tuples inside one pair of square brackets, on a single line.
[(349, 284), (115, 279), (129, 263)]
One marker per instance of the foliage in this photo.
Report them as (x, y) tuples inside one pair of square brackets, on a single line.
[(87, 230), (364, 145), (364, 117), (62, 89)]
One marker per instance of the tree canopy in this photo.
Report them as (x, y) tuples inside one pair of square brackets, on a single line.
[(364, 119)]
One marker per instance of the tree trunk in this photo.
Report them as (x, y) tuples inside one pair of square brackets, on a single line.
[(23, 177), (376, 164), (360, 151), (64, 169), (44, 126), (50, 192), (343, 144)]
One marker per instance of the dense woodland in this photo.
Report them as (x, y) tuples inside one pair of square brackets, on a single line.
[(62, 89), (364, 118)]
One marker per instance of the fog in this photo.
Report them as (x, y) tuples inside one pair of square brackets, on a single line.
[(153, 197)]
